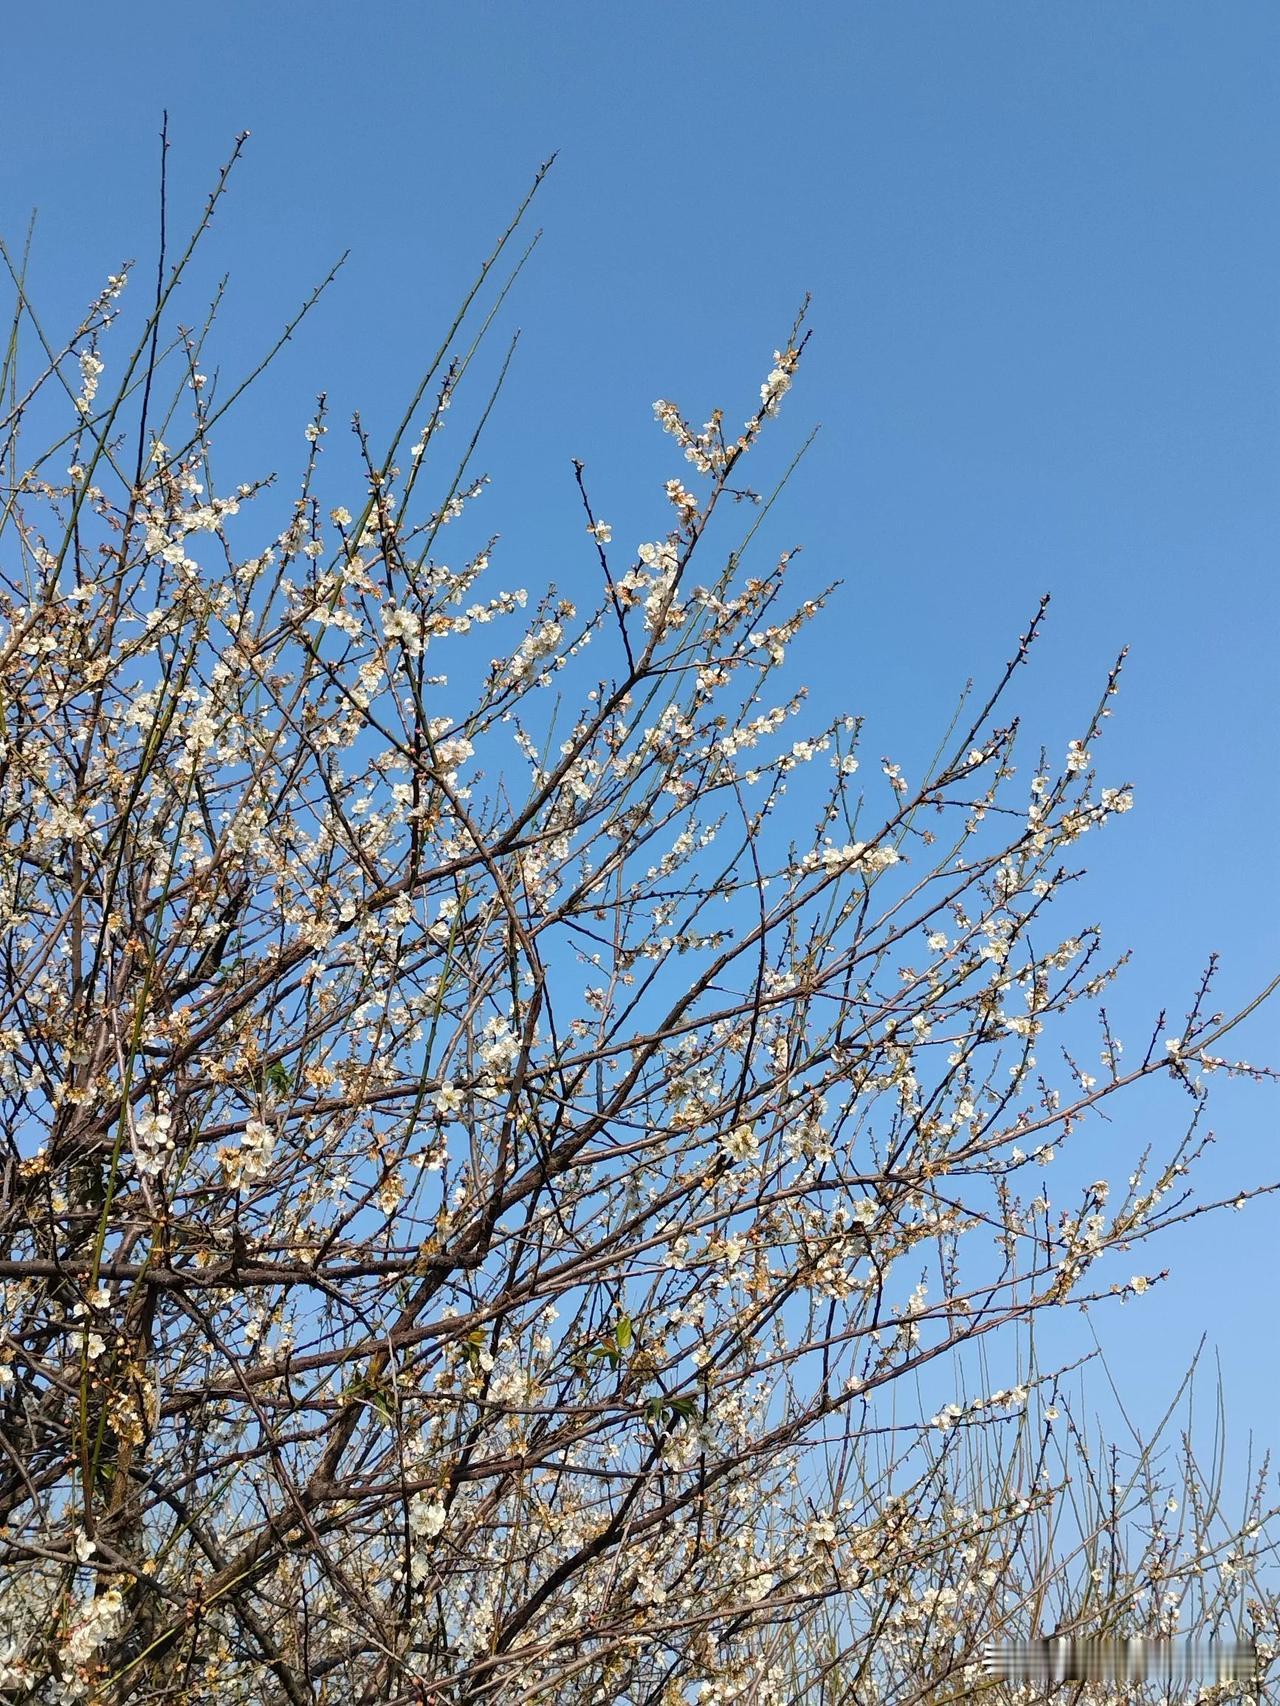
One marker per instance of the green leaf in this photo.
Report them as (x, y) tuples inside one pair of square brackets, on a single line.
[(666, 1412), (362, 1390), (279, 1079), (624, 1333)]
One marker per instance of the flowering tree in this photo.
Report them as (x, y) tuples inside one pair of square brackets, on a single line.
[(472, 1171)]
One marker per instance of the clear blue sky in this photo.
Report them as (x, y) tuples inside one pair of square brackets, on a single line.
[(1043, 244)]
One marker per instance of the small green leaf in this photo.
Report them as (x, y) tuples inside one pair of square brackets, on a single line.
[(362, 1390), (624, 1333)]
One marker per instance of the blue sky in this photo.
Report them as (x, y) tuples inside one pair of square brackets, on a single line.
[(1042, 244)]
